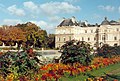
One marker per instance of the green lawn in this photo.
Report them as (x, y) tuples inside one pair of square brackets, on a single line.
[(114, 69)]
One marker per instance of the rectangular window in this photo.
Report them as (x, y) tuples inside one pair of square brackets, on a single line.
[(115, 38), (91, 31), (64, 38), (85, 31), (88, 39), (82, 38), (59, 39), (99, 37), (103, 37), (69, 37), (117, 29)]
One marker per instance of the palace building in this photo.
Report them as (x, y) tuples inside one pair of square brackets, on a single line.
[(108, 32)]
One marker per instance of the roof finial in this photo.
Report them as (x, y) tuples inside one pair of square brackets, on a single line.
[(63, 17), (105, 18), (73, 16), (96, 24)]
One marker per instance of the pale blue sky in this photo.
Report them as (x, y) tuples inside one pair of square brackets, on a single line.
[(48, 13)]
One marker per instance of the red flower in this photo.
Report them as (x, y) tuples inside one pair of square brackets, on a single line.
[(44, 77), (36, 79)]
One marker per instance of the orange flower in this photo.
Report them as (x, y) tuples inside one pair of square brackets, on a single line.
[(100, 79), (115, 80), (44, 68)]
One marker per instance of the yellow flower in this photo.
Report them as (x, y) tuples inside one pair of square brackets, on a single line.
[(89, 79)]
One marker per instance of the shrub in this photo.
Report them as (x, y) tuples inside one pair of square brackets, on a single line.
[(20, 63), (109, 51), (76, 51)]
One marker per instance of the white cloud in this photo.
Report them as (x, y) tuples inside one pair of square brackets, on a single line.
[(11, 21), (50, 9), (15, 11), (2, 7), (119, 9), (96, 16), (54, 19), (31, 6), (107, 8), (71, 1), (53, 8), (40, 23), (45, 26)]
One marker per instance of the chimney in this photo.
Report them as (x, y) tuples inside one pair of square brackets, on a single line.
[(73, 19), (86, 22), (63, 18)]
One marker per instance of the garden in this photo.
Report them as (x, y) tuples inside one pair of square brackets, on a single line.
[(76, 63)]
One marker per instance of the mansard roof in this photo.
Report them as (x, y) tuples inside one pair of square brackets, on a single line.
[(68, 22), (112, 22), (72, 22)]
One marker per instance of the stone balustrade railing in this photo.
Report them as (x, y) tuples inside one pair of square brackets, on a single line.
[(3, 46)]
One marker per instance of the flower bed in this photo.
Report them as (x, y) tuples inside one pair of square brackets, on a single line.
[(55, 71)]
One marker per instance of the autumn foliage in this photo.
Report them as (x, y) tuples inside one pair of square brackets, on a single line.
[(28, 33)]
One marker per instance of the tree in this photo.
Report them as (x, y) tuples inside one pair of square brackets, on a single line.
[(1, 32), (76, 51), (51, 41), (12, 35), (34, 35), (28, 33)]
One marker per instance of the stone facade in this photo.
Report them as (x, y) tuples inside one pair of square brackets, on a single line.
[(108, 32)]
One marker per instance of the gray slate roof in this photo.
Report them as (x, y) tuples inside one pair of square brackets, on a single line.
[(105, 22), (68, 22)]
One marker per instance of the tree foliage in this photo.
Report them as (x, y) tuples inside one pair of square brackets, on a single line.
[(109, 51), (76, 51), (27, 34), (11, 35), (51, 41), (34, 35)]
